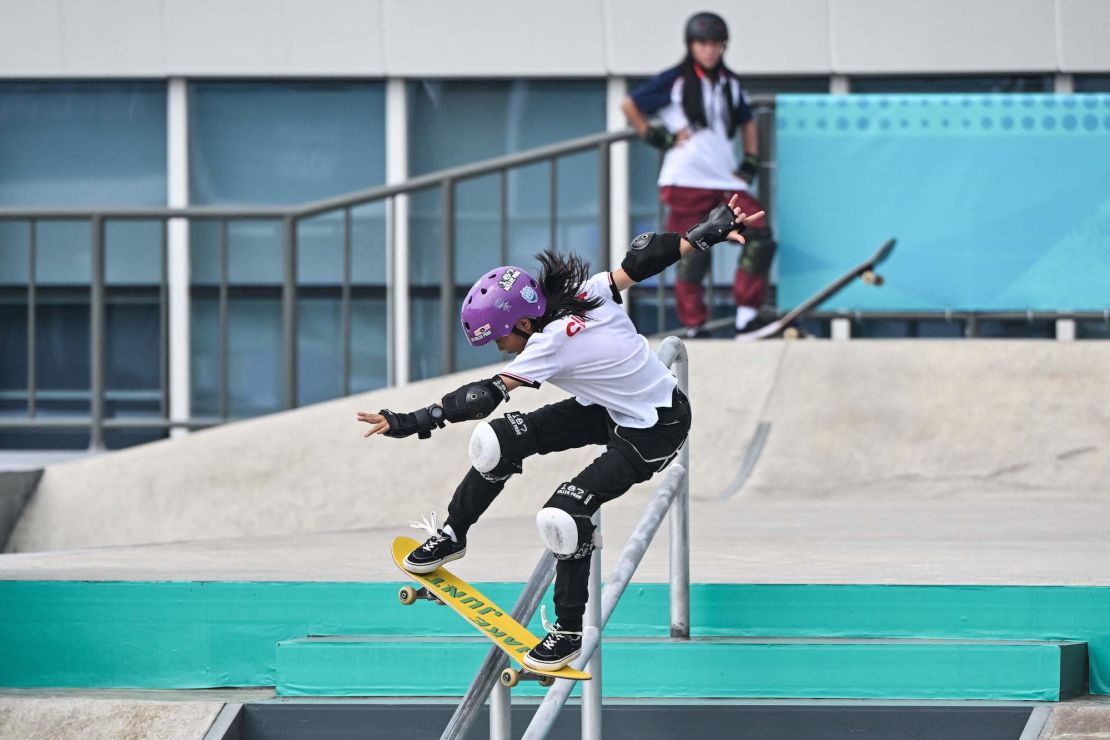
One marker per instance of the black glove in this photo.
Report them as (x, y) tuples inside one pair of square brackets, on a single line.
[(713, 228), (659, 137), (420, 422), (748, 168)]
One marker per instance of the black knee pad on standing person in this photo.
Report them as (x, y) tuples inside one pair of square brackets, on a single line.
[(566, 522), (758, 251)]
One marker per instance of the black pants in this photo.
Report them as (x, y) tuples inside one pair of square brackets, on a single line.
[(631, 456)]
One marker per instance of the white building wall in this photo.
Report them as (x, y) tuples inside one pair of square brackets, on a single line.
[(910, 36), (503, 38)]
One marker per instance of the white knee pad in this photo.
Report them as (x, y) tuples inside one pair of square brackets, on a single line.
[(557, 530), (485, 450)]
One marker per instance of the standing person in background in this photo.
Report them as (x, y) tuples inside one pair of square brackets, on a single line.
[(702, 106)]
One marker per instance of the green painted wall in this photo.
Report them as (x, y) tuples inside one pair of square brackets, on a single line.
[(191, 635), (708, 668)]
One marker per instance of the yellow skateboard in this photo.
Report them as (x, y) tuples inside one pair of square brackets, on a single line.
[(495, 623)]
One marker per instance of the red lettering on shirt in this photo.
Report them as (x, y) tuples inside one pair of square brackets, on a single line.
[(575, 325)]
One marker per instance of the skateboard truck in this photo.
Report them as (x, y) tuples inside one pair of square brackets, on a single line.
[(510, 677), (408, 595)]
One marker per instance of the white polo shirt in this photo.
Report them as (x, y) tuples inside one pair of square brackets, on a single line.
[(707, 159), (602, 361)]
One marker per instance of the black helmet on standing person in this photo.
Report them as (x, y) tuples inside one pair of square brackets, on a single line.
[(706, 27)]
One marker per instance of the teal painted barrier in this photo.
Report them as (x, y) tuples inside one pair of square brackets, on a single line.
[(706, 668), (196, 635), (997, 201)]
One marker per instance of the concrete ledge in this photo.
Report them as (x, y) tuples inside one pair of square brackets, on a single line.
[(706, 668)]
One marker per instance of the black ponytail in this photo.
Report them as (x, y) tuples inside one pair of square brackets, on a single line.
[(561, 278), (693, 105)]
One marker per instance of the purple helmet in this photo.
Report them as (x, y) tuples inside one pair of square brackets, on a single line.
[(500, 298)]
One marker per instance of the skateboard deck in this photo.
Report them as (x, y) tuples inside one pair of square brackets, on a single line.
[(864, 270), (496, 624)]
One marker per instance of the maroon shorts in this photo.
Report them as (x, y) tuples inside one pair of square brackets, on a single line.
[(685, 207)]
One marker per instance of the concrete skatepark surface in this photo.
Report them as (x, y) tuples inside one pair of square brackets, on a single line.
[(885, 462)]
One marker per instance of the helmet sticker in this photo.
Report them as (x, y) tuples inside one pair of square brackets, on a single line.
[(503, 304), (481, 332), (507, 280), (528, 293)]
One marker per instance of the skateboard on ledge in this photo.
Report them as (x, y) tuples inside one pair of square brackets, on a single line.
[(493, 622)]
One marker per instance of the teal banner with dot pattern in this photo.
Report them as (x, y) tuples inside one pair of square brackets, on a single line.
[(998, 202)]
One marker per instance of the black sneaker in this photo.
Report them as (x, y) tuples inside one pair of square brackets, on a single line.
[(437, 550), (556, 650)]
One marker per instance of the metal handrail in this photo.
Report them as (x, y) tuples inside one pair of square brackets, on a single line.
[(289, 217), (672, 495), (666, 496), (496, 660)]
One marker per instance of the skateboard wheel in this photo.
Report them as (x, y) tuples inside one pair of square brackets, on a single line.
[(872, 278), (791, 332), (547, 681), (407, 595), (510, 677)]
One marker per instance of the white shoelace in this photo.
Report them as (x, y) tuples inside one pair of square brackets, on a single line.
[(430, 528), (552, 634)]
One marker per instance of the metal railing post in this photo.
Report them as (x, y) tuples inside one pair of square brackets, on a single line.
[(345, 302), (96, 336), (604, 206), (619, 578), (553, 202), (500, 712), (496, 660), (591, 690), (289, 312), (32, 321), (447, 286), (680, 520), (224, 330)]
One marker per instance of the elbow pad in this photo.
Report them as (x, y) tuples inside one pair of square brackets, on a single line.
[(650, 254), (475, 400)]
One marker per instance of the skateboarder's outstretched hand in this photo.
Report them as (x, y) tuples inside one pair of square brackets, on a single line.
[(377, 422), (740, 218), (722, 223)]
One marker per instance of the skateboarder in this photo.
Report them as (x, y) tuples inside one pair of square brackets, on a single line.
[(703, 106), (567, 328)]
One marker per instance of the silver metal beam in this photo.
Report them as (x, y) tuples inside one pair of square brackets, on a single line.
[(495, 660), (591, 690), (617, 581), (96, 337), (289, 313)]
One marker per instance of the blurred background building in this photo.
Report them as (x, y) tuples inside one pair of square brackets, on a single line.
[(134, 104)]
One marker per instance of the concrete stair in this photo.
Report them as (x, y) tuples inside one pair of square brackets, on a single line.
[(717, 667)]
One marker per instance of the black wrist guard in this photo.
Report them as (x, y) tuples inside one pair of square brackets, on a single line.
[(475, 400), (650, 254), (748, 168), (659, 137), (713, 228), (420, 422)]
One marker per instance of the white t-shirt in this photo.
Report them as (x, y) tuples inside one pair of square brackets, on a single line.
[(707, 159), (602, 360)]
